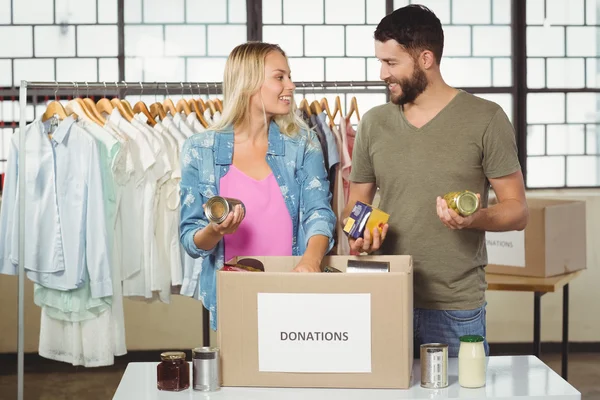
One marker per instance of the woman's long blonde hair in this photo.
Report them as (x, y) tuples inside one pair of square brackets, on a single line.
[(243, 77)]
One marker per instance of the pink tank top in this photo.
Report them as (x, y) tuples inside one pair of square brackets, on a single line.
[(267, 227)]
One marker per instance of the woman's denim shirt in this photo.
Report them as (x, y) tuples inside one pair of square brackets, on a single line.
[(298, 166)]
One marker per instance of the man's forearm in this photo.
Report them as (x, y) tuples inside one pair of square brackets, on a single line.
[(508, 215)]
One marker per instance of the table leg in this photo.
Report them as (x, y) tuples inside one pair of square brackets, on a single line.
[(205, 327), (537, 344), (565, 332)]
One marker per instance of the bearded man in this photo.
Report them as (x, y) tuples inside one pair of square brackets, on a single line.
[(429, 140)]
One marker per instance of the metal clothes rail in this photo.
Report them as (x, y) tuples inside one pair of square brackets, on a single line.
[(121, 89)]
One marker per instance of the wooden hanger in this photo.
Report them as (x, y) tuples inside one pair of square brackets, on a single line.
[(315, 107), (127, 107), (104, 106), (201, 104), (119, 106), (219, 105), (86, 112), (157, 109), (183, 105), (337, 108), (93, 110), (325, 106), (304, 106), (353, 108), (199, 114), (211, 106), (54, 108), (141, 108), (169, 106)]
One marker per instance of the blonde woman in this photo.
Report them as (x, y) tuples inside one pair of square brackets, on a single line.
[(262, 153)]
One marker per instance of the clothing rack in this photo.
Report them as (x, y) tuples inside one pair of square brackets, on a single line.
[(122, 89)]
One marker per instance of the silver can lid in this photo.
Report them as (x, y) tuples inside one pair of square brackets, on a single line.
[(205, 353)]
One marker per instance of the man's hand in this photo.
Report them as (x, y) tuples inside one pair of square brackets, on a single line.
[(370, 242), (451, 218), (231, 223)]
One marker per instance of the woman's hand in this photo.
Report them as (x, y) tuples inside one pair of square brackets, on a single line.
[(231, 223), (307, 266)]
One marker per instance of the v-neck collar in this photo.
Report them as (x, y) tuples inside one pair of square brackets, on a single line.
[(443, 111)]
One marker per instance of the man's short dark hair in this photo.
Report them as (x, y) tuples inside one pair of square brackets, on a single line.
[(416, 28)]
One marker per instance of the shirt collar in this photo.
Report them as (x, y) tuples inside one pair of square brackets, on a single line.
[(63, 128), (224, 144)]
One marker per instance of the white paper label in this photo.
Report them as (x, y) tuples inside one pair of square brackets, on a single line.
[(306, 332), (506, 248)]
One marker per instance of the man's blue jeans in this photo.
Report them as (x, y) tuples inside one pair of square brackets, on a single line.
[(447, 326)]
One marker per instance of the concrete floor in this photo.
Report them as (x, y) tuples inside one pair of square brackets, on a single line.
[(101, 383)]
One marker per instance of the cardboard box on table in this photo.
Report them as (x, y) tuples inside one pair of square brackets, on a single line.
[(553, 243), (360, 325)]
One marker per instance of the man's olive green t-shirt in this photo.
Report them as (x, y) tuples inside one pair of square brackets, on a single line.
[(468, 142)]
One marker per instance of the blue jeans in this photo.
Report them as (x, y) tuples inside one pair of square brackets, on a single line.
[(447, 326)]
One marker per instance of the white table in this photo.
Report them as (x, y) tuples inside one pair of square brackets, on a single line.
[(508, 377)]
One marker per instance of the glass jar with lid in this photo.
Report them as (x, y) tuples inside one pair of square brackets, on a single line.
[(173, 372), (471, 362)]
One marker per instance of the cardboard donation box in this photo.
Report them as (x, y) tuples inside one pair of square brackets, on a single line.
[(553, 243), (343, 330)]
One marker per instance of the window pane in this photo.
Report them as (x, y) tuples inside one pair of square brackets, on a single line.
[(97, 41), (593, 73), (564, 12), (307, 69), (21, 44), (536, 141), (344, 11), (545, 108), (502, 72), (593, 139), (207, 11), (465, 72), (133, 11), (582, 41), (288, 37), (565, 139), (502, 10), (545, 171), (582, 107), (185, 40), (535, 12), (491, 41), (545, 42), (156, 11), (302, 12), (223, 38), (359, 41), (73, 12), (373, 69), (237, 11), (536, 73), (566, 73), (5, 73), (205, 69), (457, 41), (316, 46), (76, 70), (583, 171), (471, 12), (375, 11), (54, 41), (345, 69), (5, 6), (139, 39), (271, 11)]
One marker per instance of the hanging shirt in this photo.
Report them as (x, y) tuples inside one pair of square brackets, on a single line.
[(194, 122), (183, 125), (65, 224), (266, 229)]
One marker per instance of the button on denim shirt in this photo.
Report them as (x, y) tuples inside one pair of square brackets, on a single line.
[(298, 166)]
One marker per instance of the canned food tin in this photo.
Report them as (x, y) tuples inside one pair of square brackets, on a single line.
[(464, 203), (217, 208), (206, 369), (363, 266), (434, 365)]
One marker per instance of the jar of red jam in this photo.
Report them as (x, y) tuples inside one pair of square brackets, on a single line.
[(173, 373)]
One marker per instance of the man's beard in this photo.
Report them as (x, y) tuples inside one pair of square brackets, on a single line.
[(411, 87)]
